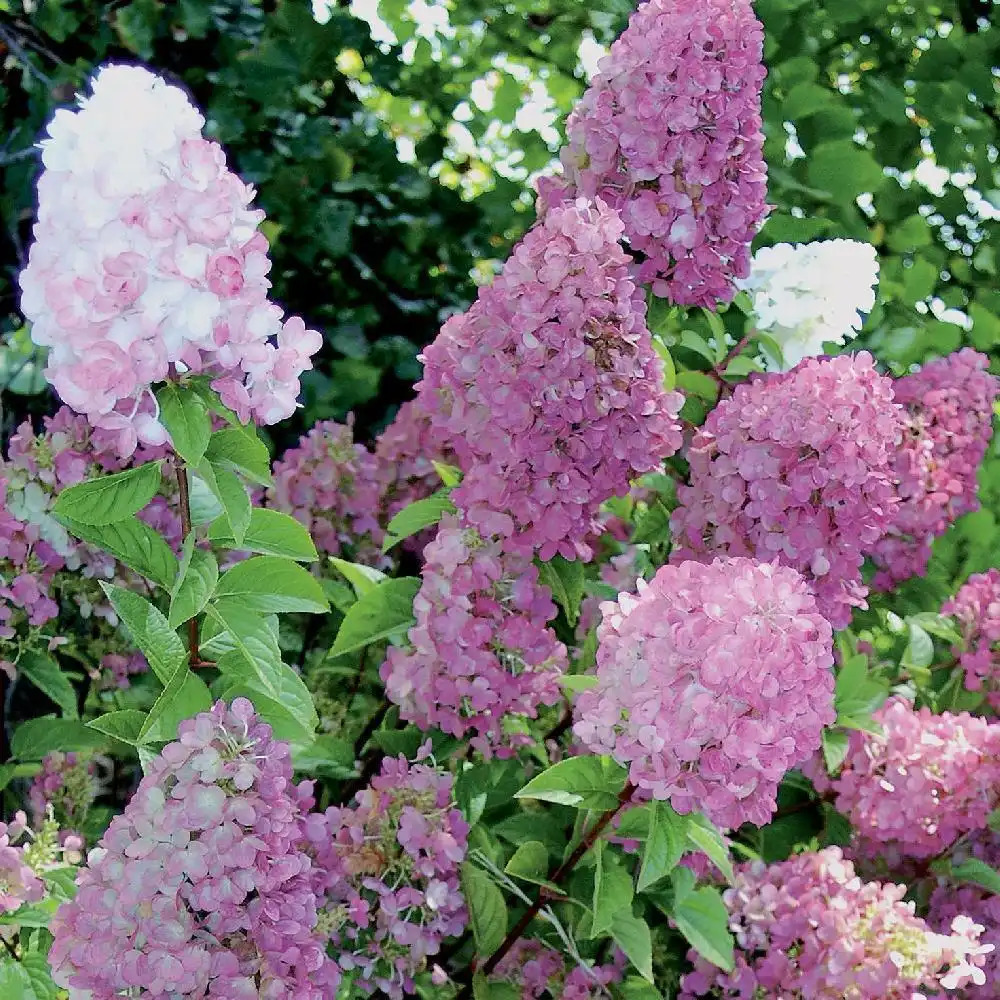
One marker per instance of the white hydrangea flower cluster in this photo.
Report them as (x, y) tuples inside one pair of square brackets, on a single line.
[(805, 295)]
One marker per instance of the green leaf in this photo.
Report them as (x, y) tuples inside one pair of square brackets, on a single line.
[(45, 674), (857, 692), (108, 499), (835, 745), (15, 983), (380, 613), (587, 782), (33, 739), (450, 475), (700, 384), (703, 835), (228, 489), (292, 717), (363, 579), (272, 584), (246, 652), (416, 516), (612, 890), (843, 169), (653, 526), (979, 873), (184, 696), (240, 448), (530, 862), (487, 909), (184, 414), (134, 543), (694, 341), (575, 683), (702, 917), (196, 580), (150, 631), (270, 532), (125, 725), (565, 580), (919, 652), (664, 845), (631, 934)]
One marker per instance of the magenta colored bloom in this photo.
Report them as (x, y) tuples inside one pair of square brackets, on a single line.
[(480, 652), (333, 486), (977, 608), (949, 420), (147, 260), (201, 889), (712, 683), (809, 928), (922, 784), (18, 883), (669, 134), (548, 389), (68, 784), (796, 467), (541, 972), (389, 879)]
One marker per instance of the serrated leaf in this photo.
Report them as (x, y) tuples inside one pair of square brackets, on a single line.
[(240, 448), (383, 611), (228, 489), (272, 584), (704, 836), (487, 909), (530, 862), (363, 579), (565, 579), (270, 533), (132, 542), (184, 696), (417, 516), (184, 414), (195, 583), (108, 499), (45, 674), (33, 739), (125, 725), (588, 782), (613, 890), (632, 935), (150, 631), (664, 846)]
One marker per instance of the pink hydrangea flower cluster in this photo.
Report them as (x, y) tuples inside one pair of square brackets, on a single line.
[(480, 652), (67, 783), (921, 784), (796, 467), (147, 260), (334, 487), (117, 669), (976, 607), (712, 682), (538, 971), (200, 889), (548, 389), (949, 901), (810, 928), (406, 451), (949, 420), (19, 883), (390, 875), (669, 133), (39, 559)]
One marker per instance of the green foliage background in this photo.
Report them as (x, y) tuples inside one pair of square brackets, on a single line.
[(375, 248)]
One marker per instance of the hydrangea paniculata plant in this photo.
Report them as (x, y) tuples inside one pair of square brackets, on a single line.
[(541, 973), (147, 260), (201, 888), (712, 683), (669, 134), (796, 467), (810, 929), (976, 607), (480, 651), (548, 389)]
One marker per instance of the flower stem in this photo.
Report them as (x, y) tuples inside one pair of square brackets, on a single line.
[(545, 894), (185, 498)]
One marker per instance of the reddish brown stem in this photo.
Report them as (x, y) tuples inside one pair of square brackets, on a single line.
[(546, 895), (185, 498)]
